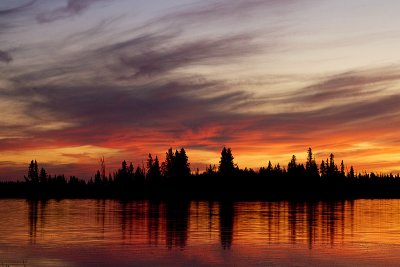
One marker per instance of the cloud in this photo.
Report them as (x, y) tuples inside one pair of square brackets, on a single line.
[(5, 57), (97, 113), (203, 51), (171, 112), (211, 11), (159, 115), (349, 85), (150, 86), (16, 9), (14, 17), (73, 8)]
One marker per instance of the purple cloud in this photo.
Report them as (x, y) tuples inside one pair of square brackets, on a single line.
[(73, 8), (16, 9), (160, 60), (5, 57)]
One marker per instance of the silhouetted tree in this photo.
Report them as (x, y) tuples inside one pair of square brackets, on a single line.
[(153, 170), (242, 183), (122, 175), (176, 166), (278, 170), (33, 173), (139, 176), (292, 165), (210, 170), (42, 176), (295, 171), (59, 181), (351, 173), (311, 165), (342, 173), (226, 166), (124, 168), (183, 163), (322, 169), (168, 166), (97, 178), (149, 162), (131, 169), (103, 169), (332, 169), (269, 168)]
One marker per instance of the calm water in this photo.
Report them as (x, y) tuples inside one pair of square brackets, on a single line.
[(115, 233)]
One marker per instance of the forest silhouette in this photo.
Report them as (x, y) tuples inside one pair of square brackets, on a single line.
[(173, 178)]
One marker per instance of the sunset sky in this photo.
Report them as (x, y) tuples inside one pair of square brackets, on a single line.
[(81, 79)]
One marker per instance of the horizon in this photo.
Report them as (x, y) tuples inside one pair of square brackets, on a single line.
[(82, 79), (111, 172)]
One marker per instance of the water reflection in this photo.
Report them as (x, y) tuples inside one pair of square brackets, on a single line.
[(100, 215), (191, 230), (226, 214), (153, 226), (132, 216), (312, 223), (36, 213), (177, 223), (322, 222)]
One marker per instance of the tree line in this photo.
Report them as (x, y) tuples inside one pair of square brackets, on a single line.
[(174, 178)]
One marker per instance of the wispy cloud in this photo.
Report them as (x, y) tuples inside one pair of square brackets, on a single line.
[(14, 16), (5, 57), (16, 9), (73, 8), (219, 10), (172, 80), (162, 60), (349, 85)]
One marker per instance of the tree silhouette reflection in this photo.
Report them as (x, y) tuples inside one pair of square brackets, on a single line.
[(153, 224), (226, 219), (33, 218), (101, 215), (132, 217), (311, 224), (177, 223), (36, 212)]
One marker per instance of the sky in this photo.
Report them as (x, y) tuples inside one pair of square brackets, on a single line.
[(82, 79)]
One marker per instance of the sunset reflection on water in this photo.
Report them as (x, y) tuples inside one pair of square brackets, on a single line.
[(182, 233)]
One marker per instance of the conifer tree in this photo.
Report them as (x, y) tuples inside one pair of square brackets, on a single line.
[(226, 166)]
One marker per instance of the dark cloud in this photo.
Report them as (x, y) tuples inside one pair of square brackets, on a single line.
[(5, 57), (100, 112), (169, 111), (162, 113), (154, 51), (16, 9), (162, 60), (147, 56), (15, 17), (347, 85), (382, 108), (73, 8)]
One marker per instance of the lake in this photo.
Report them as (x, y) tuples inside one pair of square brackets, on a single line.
[(199, 233)]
